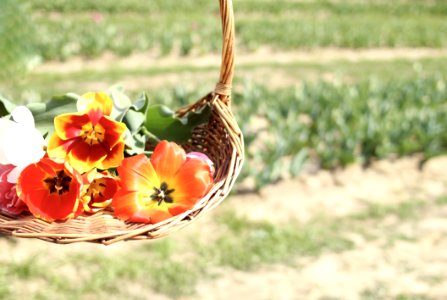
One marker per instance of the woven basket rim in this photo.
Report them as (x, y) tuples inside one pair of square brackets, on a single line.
[(222, 130)]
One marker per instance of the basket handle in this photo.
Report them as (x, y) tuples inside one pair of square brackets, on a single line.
[(224, 85)]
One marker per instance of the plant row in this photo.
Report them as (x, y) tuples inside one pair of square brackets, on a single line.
[(332, 125)]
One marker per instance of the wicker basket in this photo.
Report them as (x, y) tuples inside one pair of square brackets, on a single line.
[(221, 139)]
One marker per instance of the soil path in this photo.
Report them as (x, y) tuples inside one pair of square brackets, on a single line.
[(261, 56)]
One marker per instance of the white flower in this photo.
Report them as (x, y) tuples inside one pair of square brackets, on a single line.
[(21, 144)]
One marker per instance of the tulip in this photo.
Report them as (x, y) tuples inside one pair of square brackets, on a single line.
[(51, 190), (90, 138), (9, 200), (98, 190), (168, 184)]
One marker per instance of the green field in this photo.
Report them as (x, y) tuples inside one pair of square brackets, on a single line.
[(167, 26)]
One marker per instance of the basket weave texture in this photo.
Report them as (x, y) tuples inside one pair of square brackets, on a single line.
[(221, 139)]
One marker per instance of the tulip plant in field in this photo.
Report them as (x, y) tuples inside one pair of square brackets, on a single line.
[(79, 155)]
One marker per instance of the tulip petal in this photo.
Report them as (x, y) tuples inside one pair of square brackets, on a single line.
[(23, 145), (192, 181), (84, 157), (43, 203), (114, 158), (4, 127), (179, 209), (95, 101), (137, 174), (58, 148), (114, 131), (129, 206), (23, 116), (31, 179), (167, 159), (99, 188), (35, 202), (13, 176), (70, 125), (204, 157), (155, 215)]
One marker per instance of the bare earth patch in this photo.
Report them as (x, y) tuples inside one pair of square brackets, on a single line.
[(261, 56), (348, 191)]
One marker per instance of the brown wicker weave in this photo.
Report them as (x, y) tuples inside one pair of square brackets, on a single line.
[(221, 139)]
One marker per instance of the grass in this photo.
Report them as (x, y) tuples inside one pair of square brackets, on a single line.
[(382, 293), (254, 243), (173, 267), (442, 200), (404, 211), (169, 268), (15, 34)]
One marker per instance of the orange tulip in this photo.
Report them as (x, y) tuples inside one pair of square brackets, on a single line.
[(168, 184), (51, 190), (99, 188), (90, 138)]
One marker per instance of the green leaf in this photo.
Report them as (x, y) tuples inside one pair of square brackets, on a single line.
[(141, 103), (6, 106), (133, 116), (121, 102), (165, 125), (44, 113), (37, 108), (135, 143), (134, 120), (298, 162)]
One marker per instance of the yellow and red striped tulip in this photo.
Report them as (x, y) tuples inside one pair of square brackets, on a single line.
[(90, 138)]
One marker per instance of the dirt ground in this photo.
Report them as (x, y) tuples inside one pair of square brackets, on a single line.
[(260, 56), (373, 269)]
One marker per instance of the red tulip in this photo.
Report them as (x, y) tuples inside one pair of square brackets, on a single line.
[(98, 190), (51, 190)]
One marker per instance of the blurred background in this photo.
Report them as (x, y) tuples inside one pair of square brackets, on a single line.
[(344, 109)]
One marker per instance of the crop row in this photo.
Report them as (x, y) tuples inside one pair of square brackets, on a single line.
[(333, 125), (413, 7), (190, 27)]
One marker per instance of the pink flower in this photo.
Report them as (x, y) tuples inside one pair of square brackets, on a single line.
[(97, 17), (9, 201)]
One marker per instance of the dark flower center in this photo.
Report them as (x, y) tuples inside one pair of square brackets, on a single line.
[(59, 184), (163, 194), (96, 188), (93, 135)]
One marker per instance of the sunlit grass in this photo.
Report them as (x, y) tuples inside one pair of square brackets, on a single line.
[(174, 267), (250, 244)]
